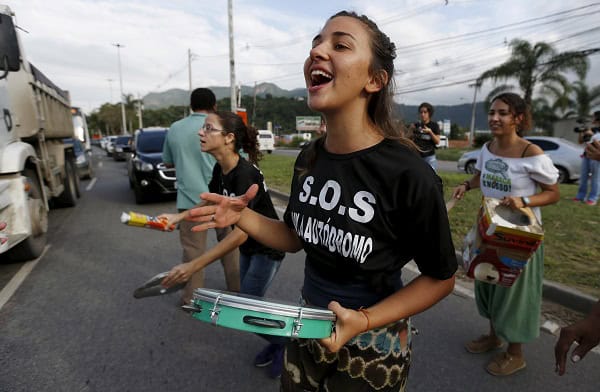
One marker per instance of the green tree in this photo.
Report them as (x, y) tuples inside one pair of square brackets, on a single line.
[(584, 98), (536, 65), (560, 99), (544, 114)]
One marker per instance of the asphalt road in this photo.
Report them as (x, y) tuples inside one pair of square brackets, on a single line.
[(73, 324)]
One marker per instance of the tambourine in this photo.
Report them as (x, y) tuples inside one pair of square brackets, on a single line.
[(253, 314), (153, 287)]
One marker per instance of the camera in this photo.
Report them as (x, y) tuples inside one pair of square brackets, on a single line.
[(585, 137), (419, 127), (583, 124)]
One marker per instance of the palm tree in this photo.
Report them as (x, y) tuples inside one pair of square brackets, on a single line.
[(544, 115), (537, 64), (561, 102), (584, 98)]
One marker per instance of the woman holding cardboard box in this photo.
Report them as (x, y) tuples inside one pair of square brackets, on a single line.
[(518, 172)]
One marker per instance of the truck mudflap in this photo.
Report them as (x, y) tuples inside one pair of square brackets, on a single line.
[(23, 216)]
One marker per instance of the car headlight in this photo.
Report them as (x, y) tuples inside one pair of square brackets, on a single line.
[(119, 149), (142, 166)]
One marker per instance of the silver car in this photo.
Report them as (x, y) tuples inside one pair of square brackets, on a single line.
[(565, 155)]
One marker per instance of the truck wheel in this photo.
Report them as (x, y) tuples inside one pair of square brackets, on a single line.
[(69, 196), (77, 181), (90, 173), (33, 246)]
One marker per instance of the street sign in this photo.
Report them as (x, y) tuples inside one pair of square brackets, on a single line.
[(308, 123)]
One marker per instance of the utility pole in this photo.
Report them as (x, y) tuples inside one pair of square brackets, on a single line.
[(254, 106), (124, 129), (140, 107), (190, 70), (110, 86), (231, 55), (476, 87)]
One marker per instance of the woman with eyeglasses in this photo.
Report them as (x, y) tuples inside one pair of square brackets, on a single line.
[(223, 135)]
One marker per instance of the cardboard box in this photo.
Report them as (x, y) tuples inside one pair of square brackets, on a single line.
[(497, 248), (509, 228)]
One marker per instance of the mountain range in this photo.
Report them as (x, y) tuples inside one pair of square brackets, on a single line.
[(459, 114)]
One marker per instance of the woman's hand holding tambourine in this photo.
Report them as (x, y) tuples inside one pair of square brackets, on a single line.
[(348, 324), (179, 274)]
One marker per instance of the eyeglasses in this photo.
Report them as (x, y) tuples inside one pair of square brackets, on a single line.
[(209, 128)]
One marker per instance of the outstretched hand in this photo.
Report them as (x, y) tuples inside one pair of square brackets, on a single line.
[(348, 324), (222, 211), (586, 332)]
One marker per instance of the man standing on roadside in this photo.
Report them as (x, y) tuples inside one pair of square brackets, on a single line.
[(194, 171)]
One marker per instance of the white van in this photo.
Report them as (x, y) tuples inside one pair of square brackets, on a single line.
[(266, 140)]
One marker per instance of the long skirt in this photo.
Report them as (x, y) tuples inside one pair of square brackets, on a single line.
[(515, 311)]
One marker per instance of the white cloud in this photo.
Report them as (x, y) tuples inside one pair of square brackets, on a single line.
[(70, 41)]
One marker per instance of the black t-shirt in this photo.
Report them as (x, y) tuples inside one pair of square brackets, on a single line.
[(423, 140), (236, 183), (362, 216)]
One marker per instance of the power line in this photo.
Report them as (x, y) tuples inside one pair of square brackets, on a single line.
[(493, 29)]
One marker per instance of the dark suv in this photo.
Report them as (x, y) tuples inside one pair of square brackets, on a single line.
[(148, 175), (122, 148)]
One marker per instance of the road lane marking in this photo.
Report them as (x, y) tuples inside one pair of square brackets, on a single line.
[(91, 184), (16, 281)]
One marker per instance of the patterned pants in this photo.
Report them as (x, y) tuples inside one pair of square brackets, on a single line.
[(376, 360)]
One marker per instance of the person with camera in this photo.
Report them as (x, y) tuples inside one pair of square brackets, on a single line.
[(592, 150), (426, 134), (589, 167)]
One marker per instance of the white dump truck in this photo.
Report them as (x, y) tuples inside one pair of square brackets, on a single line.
[(37, 169)]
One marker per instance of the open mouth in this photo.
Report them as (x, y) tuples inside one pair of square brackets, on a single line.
[(318, 77)]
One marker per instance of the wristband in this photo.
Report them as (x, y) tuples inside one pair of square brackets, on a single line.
[(467, 185), (366, 313)]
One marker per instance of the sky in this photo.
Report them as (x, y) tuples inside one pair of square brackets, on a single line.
[(441, 48)]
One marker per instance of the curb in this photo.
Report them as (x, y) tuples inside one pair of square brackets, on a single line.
[(554, 292), (568, 297)]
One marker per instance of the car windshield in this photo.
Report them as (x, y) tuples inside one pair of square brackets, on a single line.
[(570, 143), (77, 147), (122, 140), (149, 142)]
